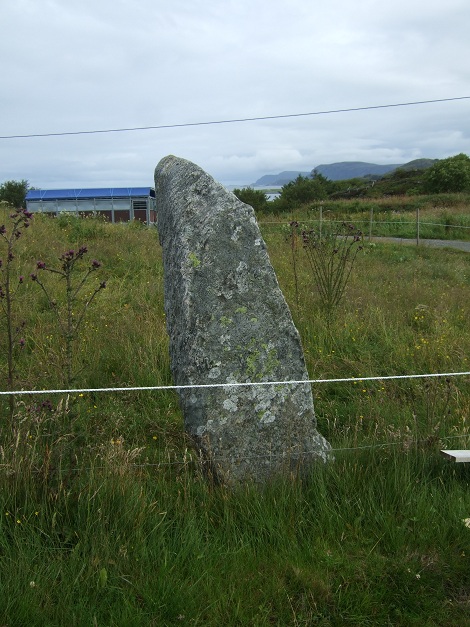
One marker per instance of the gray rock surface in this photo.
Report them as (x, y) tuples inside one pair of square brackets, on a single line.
[(228, 322)]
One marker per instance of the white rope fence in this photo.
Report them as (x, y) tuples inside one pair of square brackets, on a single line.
[(375, 222), (234, 384), (191, 458)]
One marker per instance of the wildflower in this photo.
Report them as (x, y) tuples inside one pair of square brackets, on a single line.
[(22, 342), (21, 279), (3, 229), (40, 265), (95, 264), (102, 285), (34, 276)]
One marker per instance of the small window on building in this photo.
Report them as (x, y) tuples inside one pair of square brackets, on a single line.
[(139, 205)]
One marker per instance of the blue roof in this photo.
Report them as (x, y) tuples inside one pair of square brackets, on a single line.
[(95, 192)]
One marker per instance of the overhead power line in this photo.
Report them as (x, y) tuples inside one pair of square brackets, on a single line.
[(234, 120)]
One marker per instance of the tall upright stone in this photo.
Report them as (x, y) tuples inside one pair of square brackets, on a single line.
[(228, 323)]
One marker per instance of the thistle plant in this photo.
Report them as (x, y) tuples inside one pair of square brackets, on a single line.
[(9, 284), (71, 316), (331, 257), (294, 238)]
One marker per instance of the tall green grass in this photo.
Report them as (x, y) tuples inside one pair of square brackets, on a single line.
[(107, 519)]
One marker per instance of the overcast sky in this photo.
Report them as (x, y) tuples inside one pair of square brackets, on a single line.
[(81, 65)]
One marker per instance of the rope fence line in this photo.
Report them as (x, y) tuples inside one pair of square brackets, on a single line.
[(234, 384), (376, 223), (189, 457), (409, 443)]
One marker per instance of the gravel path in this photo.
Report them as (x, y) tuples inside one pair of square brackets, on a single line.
[(435, 243)]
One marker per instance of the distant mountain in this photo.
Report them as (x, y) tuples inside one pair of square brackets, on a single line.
[(353, 169), (418, 164), (343, 170), (278, 180)]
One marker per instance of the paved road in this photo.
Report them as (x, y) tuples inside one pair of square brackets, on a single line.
[(435, 243)]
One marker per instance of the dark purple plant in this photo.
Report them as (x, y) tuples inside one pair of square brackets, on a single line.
[(294, 244), (70, 317), (9, 235), (331, 255)]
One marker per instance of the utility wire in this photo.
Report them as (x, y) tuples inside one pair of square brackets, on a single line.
[(232, 121)]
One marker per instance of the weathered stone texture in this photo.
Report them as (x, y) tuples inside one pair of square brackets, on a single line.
[(228, 322)]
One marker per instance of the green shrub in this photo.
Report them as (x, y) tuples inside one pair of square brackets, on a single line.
[(254, 197), (449, 175)]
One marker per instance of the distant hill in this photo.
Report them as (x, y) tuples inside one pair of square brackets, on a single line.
[(343, 170), (353, 169), (278, 180), (405, 179), (418, 164)]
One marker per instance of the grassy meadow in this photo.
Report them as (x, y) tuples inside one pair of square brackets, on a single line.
[(443, 216), (105, 517)]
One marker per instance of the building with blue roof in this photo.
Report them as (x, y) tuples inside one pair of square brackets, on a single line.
[(117, 204)]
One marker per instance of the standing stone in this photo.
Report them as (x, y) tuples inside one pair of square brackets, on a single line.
[(228, 322)]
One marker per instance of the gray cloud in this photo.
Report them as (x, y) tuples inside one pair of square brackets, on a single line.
[(82, 65)]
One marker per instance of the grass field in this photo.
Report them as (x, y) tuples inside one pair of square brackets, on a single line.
[(436, 217), (105, 518)]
